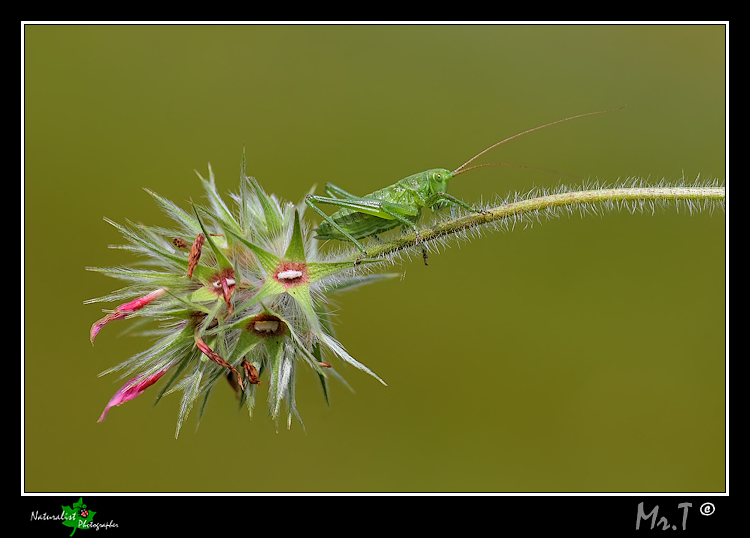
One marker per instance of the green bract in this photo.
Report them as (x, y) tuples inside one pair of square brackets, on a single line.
[(237, 294)]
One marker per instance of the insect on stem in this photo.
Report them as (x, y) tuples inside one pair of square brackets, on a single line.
[(399, 204)]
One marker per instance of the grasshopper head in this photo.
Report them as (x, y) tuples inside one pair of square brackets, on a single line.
[(439, 178)]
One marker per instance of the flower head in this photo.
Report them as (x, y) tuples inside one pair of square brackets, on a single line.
[(238, 294)]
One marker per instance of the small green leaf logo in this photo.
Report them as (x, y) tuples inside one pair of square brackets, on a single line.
[(78, 516)]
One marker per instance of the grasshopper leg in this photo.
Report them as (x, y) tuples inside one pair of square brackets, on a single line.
[(444, 196), (329, 220), (407, 223), (337, 192)]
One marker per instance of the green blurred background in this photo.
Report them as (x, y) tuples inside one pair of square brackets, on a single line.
[(577, 355)]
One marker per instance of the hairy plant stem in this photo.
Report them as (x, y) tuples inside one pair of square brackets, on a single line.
[(542, 203)]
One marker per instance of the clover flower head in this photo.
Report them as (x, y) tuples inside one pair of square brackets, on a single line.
[(238, 294)]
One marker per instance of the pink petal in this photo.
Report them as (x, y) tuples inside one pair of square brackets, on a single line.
[(130, 390), (122, 310), (140, 302), (97, 326)]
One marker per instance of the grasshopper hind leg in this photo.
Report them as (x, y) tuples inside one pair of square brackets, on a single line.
[(310, 201)]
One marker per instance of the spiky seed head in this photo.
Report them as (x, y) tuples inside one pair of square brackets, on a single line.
[(234, 293)]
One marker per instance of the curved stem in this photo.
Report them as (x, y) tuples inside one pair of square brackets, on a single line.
[(510, 210)]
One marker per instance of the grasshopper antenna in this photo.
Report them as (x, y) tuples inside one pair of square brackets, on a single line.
[(515, 165), (461, 169)]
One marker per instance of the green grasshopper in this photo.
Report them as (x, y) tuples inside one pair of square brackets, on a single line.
[(398, 204)]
